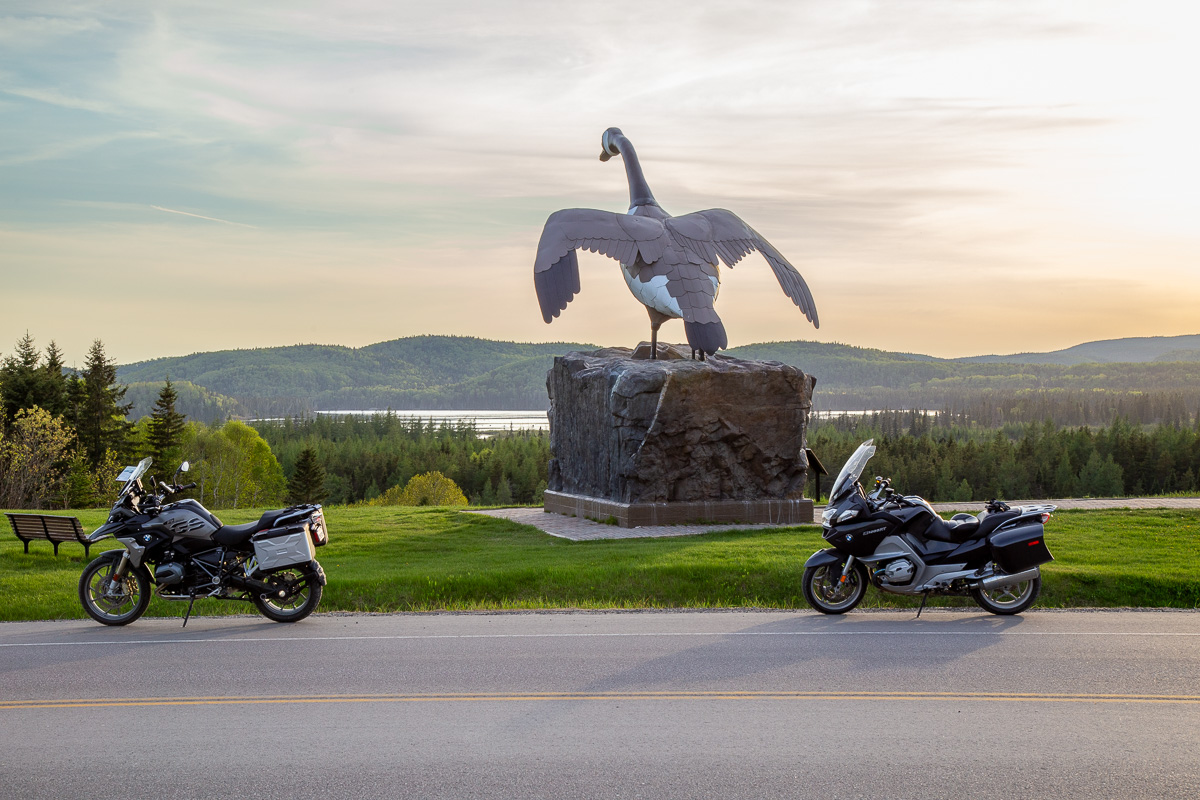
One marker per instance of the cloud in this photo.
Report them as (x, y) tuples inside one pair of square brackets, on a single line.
[(57, 98), (36, 31), (201, 216), (917, 146)]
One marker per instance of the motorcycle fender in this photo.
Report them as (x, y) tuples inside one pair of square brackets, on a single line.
[(824, 558), (115, 556)]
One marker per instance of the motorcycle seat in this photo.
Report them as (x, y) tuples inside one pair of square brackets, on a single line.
[(955, 531), (964, 527), (238, 535)]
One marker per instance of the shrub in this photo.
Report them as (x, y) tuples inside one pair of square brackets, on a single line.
[(427, 489)]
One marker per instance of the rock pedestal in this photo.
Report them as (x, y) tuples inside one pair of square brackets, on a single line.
[(672, 440)]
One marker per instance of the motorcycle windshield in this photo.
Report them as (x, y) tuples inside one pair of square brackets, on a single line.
[(851, 472), (132, 477)]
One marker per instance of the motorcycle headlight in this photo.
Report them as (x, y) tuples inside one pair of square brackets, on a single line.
[(849, 513), (827, 516)]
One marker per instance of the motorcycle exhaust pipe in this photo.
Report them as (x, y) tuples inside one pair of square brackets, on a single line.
[(1003, 579)]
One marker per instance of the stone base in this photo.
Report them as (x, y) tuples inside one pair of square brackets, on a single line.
[(676, 431), (633, 515)]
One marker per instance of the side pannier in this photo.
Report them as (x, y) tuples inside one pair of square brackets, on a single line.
[(283, 547)]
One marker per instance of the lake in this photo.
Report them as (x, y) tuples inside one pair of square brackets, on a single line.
[(489, 422), (485, 421)]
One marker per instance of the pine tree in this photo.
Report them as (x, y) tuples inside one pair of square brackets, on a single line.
[(54, 394), (99, 413), (165, 431), (308, 482), (1065, 482), (20, 379), (504, 495)]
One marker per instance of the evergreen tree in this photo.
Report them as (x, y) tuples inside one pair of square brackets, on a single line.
[(20, 379), (504, 495), (963, 492), (308, 482), (1065, 482), (165, 431), (54, 394), (98, 409)]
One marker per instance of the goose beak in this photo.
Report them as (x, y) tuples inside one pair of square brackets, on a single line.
[(604, 156)]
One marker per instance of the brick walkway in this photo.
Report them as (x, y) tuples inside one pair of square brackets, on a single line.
[(580, 530)]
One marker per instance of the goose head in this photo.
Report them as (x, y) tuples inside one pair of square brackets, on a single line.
[(609, 146)]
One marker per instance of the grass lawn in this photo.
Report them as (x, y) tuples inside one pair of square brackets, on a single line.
[(408, 559)]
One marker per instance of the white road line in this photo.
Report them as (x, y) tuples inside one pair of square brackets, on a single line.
[(585, 635)]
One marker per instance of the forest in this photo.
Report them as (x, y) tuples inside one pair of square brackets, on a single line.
[(365, 456), (64, 434), (938, 458)]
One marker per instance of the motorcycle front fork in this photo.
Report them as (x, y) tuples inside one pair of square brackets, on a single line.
[(846, 571), (117, 574)]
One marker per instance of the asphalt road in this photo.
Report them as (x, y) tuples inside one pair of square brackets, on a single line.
[(606, 705)]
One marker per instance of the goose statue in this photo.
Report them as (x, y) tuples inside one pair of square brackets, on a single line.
[(670, 263)]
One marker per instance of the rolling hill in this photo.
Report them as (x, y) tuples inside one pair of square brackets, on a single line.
[(1108, 351), (422, 372), (448, 372)]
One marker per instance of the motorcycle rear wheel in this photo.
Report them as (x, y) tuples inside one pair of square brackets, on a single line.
[(1011, 598), (109, 602), (824, 590), (296, 606)]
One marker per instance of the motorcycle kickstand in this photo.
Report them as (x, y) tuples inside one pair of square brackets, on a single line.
[(189, 611), (924, 599)]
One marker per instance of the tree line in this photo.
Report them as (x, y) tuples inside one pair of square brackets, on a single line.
[(934, 456), (64, 437), (365, 456)]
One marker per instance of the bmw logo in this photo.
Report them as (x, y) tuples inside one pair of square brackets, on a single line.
[(849, 537)]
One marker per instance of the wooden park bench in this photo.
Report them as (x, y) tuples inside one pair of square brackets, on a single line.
[(53, 529)]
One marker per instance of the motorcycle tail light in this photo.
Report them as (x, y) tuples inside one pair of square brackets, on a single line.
[(316, 529), (1045, 518)]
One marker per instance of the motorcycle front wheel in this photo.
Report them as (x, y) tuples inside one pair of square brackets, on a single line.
[(113, 602), (825, 590), (303, 594), (1012, 598)]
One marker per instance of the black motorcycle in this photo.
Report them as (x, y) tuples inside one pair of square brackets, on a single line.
[(900, 545), (187, 553)]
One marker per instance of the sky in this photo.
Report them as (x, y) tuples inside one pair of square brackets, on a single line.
[(951, 178)]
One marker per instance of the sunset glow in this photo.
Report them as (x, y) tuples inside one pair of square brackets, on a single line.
[(950, 178)]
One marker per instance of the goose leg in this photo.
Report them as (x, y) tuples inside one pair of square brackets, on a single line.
[(656, 320)]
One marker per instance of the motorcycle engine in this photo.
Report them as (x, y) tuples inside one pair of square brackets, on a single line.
[(167, 574), (899, 571)]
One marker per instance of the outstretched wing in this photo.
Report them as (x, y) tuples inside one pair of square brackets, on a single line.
[(619, 236), (719, 232)]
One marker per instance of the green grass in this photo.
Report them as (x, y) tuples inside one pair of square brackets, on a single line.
[(403, 559)]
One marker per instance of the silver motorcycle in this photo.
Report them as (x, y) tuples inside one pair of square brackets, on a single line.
[(185, 552)]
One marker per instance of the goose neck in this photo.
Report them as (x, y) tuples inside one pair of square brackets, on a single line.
[(639, 190)]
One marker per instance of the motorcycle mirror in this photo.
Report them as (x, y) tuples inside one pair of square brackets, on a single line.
[(183, 468)]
